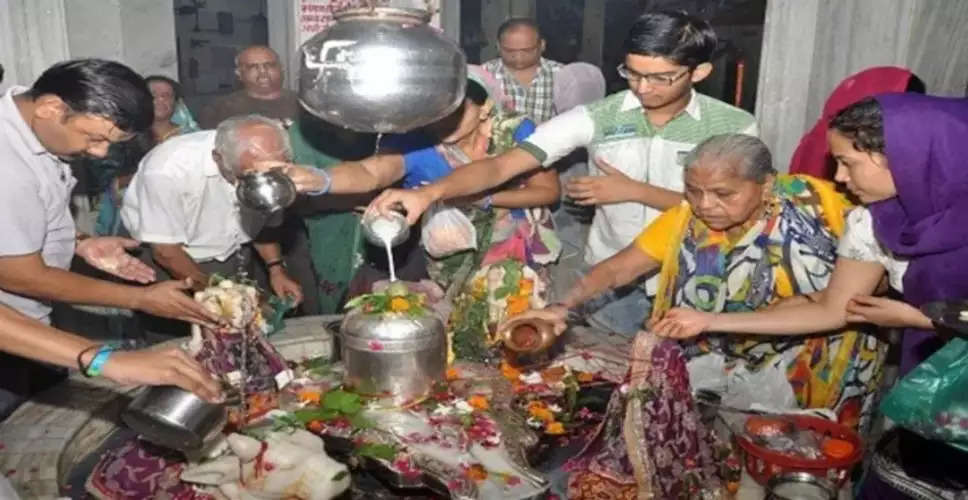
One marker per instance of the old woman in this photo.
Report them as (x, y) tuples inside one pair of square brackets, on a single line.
[(743, 239)]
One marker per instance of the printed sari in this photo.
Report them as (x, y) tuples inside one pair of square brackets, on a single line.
[(652, 444)]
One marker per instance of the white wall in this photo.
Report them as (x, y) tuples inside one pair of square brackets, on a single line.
[(809, 46), (35, 34), (32, 37)]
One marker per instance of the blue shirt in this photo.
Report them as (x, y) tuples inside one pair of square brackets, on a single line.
[(423, 163)]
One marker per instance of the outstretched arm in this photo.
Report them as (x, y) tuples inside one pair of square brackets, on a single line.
[(828, 312)]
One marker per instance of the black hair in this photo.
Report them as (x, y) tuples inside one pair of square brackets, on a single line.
[(862, 123), (475, 92), (916, 85), (175, 86), (674, 35), (104, 88), (518, 22)]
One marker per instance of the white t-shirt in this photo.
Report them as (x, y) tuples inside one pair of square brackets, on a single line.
[(859, 243), (179, 196), (35, 199)]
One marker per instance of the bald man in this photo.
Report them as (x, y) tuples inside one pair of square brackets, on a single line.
[(260, 73)]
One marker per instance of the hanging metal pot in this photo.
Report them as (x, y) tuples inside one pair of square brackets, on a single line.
[(381, 69)]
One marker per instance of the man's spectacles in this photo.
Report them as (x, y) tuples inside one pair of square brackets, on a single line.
[(656, 79)]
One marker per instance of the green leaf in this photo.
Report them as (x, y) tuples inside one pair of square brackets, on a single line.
[(502, 292), (344, 402), (376, 450), (317, 363), (308, 415), (288, 423), (356, 301), (359, 422), (466, 420), (340, 475), (571, 397)]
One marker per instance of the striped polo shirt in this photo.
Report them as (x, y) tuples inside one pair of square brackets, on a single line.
[(615, 129)]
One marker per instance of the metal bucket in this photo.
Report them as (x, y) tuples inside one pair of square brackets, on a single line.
[(175, 418)]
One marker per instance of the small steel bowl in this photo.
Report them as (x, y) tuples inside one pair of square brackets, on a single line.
[(397, 219), (799, 486), (267, 191), (174, 418)]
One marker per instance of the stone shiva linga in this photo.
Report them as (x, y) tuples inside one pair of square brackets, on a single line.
[(290, 465)]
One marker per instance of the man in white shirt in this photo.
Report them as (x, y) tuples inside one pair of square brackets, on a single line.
[(182, 202), (75, 108)]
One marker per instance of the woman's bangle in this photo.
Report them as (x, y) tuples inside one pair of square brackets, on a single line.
[(277, 262), (328, 179)]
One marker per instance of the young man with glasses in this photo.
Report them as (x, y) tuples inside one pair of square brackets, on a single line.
[(525, 76), (637, 139)]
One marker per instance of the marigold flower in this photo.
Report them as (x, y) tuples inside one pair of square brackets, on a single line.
[(477, 472), (399, 304), (309, 396), (452, 373), (479, 402), (511, 373), (555, 428), (517, 305), (585, 377)]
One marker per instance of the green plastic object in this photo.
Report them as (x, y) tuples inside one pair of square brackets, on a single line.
[(278, 307), (932, 400)]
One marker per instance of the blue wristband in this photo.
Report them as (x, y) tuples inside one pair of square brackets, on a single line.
[(329, 183), (96, 365)]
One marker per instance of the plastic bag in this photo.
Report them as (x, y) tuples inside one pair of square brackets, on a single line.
[(932, 400), (446, 231)]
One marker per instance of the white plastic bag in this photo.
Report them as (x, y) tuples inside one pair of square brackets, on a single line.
[(446, 231)]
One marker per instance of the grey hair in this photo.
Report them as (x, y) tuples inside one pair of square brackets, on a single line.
[(747, 153), (230, 146)]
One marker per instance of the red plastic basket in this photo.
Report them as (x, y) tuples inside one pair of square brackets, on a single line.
[(763, 463)]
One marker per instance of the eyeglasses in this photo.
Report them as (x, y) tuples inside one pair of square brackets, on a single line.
[(657, 79)]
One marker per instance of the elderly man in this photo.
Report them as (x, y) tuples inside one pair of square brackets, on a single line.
[(260, 73), (76, 108), (525, 76), (182, 202)]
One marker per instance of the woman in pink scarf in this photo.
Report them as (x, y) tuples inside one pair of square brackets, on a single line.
[(812, 156)]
